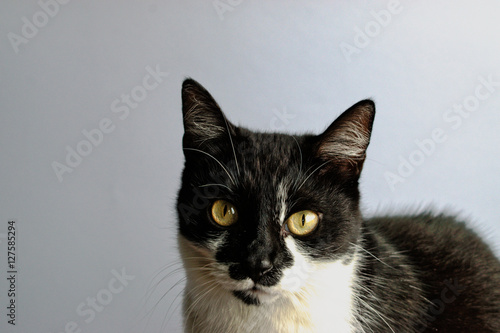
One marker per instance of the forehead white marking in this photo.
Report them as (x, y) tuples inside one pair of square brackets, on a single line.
[(282, 196)]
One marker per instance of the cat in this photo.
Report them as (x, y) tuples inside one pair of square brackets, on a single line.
[(272, 238)]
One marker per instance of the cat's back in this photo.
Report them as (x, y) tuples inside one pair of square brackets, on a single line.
[(460, 274), (428, 232)]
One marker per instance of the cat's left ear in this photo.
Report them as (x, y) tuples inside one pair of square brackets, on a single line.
[(344, 143)]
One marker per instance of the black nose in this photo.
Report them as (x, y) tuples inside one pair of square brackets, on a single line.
[(257, 269)]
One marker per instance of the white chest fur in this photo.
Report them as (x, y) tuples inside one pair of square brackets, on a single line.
[(312, 297)]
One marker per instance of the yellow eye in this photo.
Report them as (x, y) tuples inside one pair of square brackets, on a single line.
[(302, 223), (224, 213)]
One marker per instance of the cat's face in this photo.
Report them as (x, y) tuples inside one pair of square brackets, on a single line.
[(260, 213)]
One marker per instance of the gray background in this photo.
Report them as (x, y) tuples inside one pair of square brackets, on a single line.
[(260, 60)]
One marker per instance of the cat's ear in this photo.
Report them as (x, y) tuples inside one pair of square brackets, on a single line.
[(204, 122), (345, 141)]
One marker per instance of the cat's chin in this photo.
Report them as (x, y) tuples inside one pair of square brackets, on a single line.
[(256, 296)]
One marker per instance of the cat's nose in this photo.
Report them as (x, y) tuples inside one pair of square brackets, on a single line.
[(265, 266), (259, 268)]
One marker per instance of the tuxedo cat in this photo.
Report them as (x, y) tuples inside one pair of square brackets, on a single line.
[(272, 238)]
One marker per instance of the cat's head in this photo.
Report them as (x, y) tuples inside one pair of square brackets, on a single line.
[(261, 212)]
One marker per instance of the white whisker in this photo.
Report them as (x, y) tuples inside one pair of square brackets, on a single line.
[(222, 185), (371, 254), (300, 151), (312, 173), (220, 163), (232, 145)]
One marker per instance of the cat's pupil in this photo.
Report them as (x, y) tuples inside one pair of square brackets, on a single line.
[(303, 219), (225, 210)]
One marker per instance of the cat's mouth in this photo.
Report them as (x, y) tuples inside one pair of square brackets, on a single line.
[(256, 295)]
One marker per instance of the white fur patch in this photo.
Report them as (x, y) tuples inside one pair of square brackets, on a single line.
[(326, 288), (311, 297)]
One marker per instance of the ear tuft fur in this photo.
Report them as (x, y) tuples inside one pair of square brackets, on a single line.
[(203, 119), (346, 140)]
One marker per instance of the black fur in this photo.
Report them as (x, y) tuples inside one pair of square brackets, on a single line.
[(421, 273)]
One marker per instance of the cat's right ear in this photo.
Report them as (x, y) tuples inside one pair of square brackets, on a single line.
[(204, 122), (344, 143)]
